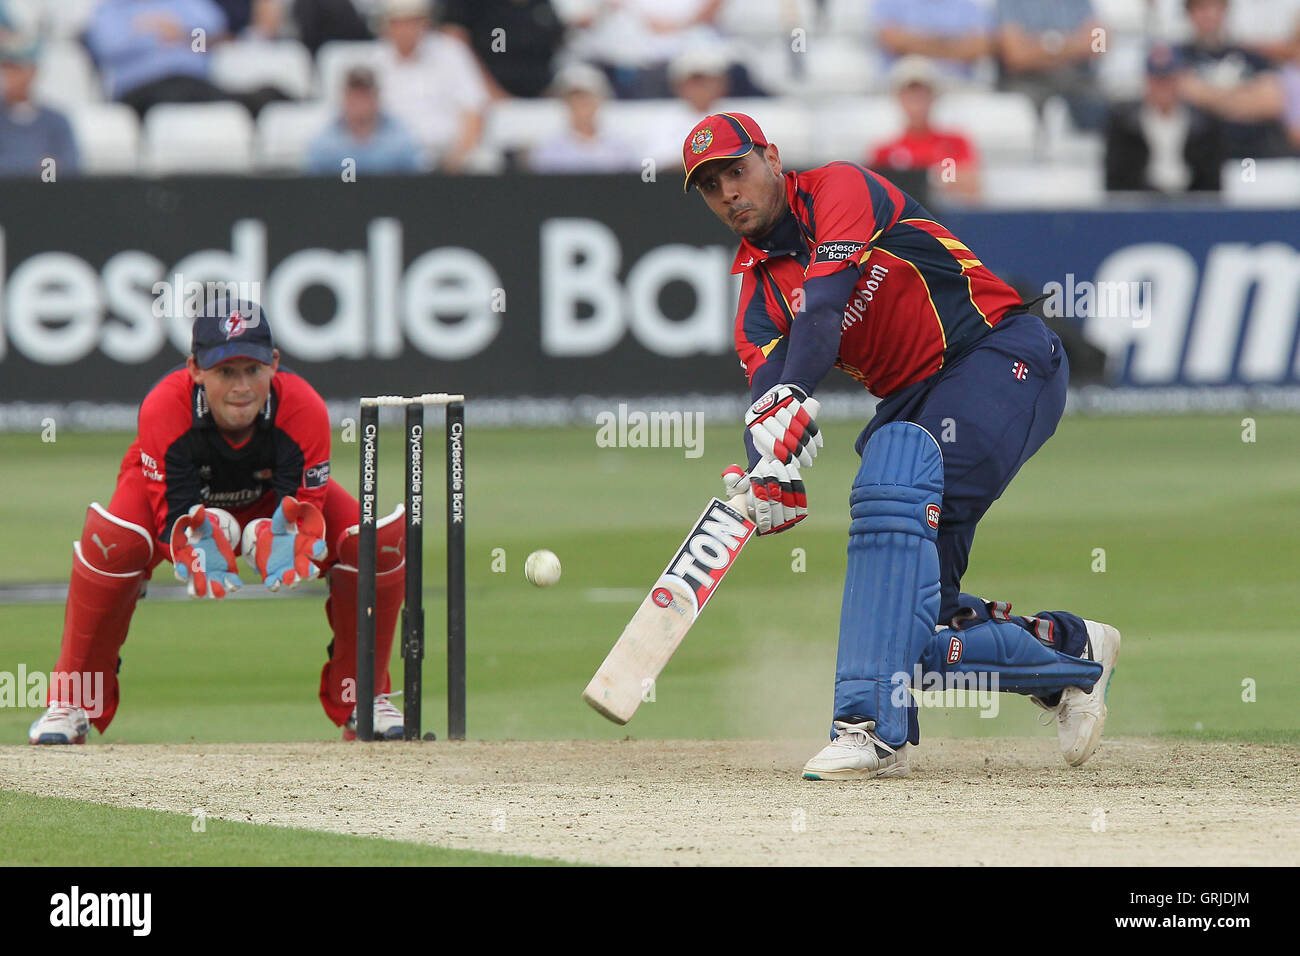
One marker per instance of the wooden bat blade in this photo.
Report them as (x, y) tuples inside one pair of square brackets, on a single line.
[(638, 657), (657, 628)]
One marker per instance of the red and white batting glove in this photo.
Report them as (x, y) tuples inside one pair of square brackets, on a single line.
[(782, 426), (774, 494), (281, 549), (203, 551)]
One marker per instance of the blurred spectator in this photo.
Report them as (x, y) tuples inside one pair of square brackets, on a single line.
[(1045, 49), (320, 21), (583, 147), (269, 22), (146, 50), (239, 13), (956, 34), (1290, 82), (376, 142), (1233, 83), (633, 41), (431, 82), (1159, 144), (700, 78), (949, 156), (29, 134), (516, 61)]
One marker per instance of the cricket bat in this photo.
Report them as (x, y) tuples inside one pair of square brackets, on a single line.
[(627, 676)]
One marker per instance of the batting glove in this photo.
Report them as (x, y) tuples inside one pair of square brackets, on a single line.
[(281, 548), (774, 494), (203, 551), (782, 426)]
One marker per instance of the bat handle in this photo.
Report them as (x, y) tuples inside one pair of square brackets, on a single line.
[(739, 502)]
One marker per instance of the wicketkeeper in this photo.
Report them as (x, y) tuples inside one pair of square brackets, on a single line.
[(232, 456), (841, 268)]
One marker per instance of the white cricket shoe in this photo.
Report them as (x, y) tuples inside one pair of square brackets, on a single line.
[(1081, 714), (388, 720), (857, 754), (60, 724)]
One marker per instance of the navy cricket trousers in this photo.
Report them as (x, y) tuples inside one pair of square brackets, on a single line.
[(989, 410)]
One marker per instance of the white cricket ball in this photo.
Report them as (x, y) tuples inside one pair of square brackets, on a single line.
[(542, 568)]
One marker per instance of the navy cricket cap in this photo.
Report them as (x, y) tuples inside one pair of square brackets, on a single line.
[(239, 331)]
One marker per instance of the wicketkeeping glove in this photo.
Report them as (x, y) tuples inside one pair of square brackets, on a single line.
[(281, 548), (774, 494), (782, 426), (203, 551)]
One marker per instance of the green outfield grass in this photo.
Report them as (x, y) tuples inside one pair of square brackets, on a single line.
[(1197, 527), (129, 837)]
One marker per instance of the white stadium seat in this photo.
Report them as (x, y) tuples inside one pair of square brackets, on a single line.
[(519, 125), (108, 138), (1002, 125), (66, 76), (836, 66), (285, 130), (243, 66), (1265, 182), (52, 19), (849, 128), (1029, 185), (334, 59), (743, 18), (198, 138)]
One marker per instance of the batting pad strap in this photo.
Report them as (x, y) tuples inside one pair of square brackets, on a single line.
[(1003, 656), (891, 585), (390, 537)]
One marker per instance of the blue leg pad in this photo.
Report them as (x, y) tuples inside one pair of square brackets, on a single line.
[(891, 586), (1007, 652)]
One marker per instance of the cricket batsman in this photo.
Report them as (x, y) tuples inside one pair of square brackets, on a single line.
[(228, 441), (841, 268)]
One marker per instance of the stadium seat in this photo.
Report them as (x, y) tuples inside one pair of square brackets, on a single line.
[(1121, 73), (1120, 16), (1056, 186), (66, 76), (51, 19), (745, 18), (334, 59), (837, 65), (850, 128), (785, 122), (518, 125), (198, 138), (1003, 125), (850, 18), (243, 66), (1270, 182), (108, 138), (285, 130)]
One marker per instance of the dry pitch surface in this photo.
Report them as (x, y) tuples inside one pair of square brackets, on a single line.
[(971, 801)]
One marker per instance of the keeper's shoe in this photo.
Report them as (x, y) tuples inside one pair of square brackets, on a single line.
[(388, 721), (1081, 714), (857, 754), (60, 724)]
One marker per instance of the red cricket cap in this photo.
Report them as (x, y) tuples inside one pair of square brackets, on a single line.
[(719, 136)]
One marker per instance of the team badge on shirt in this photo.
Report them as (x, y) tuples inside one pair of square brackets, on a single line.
[(702, 140), (234, 326)]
